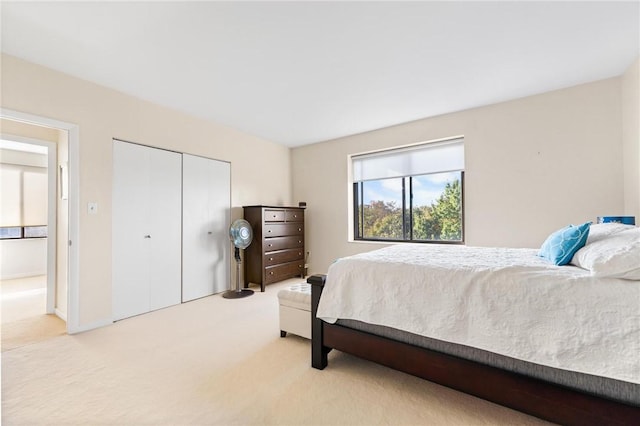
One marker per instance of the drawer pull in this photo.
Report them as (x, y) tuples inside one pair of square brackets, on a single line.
[(269, 231), (271, 245), (271, 273), (299, 229), (295, 215), (299, 266), (271, 258), (299, 241)]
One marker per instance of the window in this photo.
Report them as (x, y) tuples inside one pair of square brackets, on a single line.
[(35, 231), (12, 232), (20, 232), (410, 194)]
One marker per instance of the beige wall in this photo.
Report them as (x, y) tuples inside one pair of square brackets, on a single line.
[(260, 169), (631, 139), (532, 165)]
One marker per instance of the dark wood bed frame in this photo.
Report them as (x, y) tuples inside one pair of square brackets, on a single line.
[(535, 397)]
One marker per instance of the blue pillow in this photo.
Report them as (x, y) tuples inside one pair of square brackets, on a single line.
[(560, 246)]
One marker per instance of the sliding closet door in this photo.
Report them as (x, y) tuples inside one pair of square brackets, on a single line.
[(165, 222), (205, 231), (146, 225), (130, 253)]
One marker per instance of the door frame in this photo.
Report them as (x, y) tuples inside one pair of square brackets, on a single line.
[(73, 134)]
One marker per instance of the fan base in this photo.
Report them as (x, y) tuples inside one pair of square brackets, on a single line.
[(232, 294)]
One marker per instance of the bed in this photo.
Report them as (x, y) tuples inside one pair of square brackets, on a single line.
[(557, 342)]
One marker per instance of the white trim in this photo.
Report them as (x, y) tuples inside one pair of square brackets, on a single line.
[(73, 304), (52, 155), (33, 146), (93, 325), (405, 146), (60, 315)]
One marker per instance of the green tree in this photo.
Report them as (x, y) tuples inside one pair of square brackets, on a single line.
[(389, 226), (447, 212), (424, 227), (380, 219)]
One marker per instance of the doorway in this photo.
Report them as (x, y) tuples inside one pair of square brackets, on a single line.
[(28, 235), (62, 230)]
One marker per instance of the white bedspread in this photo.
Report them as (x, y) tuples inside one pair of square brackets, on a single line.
[(507, 301)]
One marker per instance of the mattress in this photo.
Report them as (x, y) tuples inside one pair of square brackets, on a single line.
[(504, 301)]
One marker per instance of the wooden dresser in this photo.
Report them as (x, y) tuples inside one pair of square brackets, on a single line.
[(277, 250)]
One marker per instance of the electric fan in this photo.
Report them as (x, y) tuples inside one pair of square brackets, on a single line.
[(241, 235)]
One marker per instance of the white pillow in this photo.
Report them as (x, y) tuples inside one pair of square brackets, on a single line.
[(616, 256), (600, 231)]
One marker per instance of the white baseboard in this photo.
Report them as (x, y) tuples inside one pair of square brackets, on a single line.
[(61, 315), (90, 326)]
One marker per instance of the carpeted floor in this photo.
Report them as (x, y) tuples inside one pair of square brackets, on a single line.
[(216, 361), (23, 318), (31, 330)]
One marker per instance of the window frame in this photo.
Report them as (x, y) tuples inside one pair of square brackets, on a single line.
[(357, 196)]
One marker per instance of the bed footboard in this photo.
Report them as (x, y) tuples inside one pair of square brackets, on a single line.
[(318, 350)]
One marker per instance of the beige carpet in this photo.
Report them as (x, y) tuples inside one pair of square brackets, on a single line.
[(215, 361), (31, 330), (22, 313)]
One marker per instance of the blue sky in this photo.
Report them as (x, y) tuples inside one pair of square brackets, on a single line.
[(426, 188)]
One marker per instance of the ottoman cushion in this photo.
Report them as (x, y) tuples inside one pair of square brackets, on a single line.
[(297, 296)]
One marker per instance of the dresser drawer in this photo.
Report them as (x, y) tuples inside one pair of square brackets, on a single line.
[(280, 272), (283, 229), (274, 215), (282, 256), (294, 216), (281, 243)]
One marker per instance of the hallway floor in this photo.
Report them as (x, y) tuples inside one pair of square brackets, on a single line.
[(23, 316)]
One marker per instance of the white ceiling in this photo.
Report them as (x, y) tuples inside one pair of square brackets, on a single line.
[(302, 72)]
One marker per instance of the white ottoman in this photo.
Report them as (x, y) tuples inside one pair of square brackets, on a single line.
[(295, 310)]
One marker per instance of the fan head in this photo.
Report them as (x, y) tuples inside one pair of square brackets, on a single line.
[(241, 233)]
